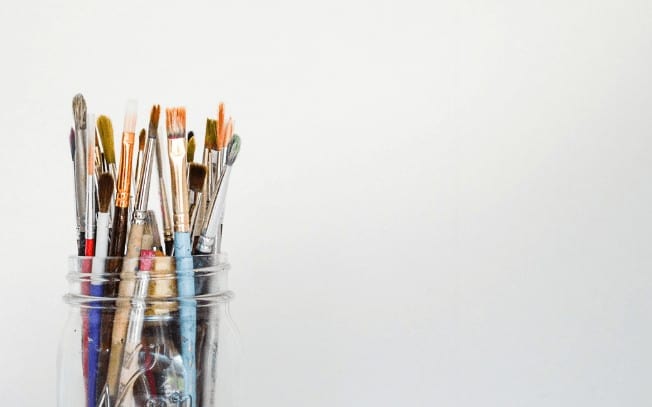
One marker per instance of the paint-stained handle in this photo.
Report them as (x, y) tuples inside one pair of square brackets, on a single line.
[(123, 305)]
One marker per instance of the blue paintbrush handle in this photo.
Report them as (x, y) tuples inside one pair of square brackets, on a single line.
[(188, 310), (94, 317)]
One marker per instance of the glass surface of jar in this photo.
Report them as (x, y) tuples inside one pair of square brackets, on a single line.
[(123, 342)]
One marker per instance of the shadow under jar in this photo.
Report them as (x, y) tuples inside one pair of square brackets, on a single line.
[(122, 342)]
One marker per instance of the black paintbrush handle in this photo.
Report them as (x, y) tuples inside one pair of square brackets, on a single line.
[(81, 244)]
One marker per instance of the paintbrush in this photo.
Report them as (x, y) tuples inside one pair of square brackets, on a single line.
[(139, 156), (210, 147), (211, 233), (134, 246), (196, 180), (79, 114), (166, 214), (105, 194), (132, 342), (105, 131), (117, 244), (89, 220), (228, 132), (176, 130)]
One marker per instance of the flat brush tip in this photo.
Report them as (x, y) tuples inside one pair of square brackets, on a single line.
[(191, 150), (210, 142), (196, 176), (175, 122), (130, 116), (79, 111), (105, 187)]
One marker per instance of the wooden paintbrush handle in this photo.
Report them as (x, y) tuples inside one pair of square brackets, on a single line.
[(123, 306), (120, 223)]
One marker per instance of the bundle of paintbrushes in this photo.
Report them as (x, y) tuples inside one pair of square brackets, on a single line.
[(119, 235)]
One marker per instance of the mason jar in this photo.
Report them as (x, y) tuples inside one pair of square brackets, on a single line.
[(126, 343)]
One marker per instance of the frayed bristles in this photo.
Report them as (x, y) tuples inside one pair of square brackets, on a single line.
[(153, 120), (79, 111), (105, 187), (233, 150), (175, 122), (191, 150), (105, 128), (130, 117), (196, 176), (141, 140), (210, 141)]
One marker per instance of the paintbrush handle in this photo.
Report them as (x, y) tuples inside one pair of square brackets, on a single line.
[(123, 304), (188, 311), (120, 223)]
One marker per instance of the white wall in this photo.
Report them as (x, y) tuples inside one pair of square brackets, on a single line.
[(436, 203)]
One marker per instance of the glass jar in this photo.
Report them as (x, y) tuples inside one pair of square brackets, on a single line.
[(124, 341)]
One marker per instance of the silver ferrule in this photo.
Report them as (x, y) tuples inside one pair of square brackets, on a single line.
[(205, 244), (142, 192), (140, 216), (80, 177), (219, 167)]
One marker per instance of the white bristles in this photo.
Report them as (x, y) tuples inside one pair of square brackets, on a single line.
[(130, 116)]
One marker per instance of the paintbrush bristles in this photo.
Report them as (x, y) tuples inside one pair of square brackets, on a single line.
[(233, 149), (153, 120), (196, 177), (228, 131), (130, 117), (79, 111), (175, 122), (141, 140), (105, 187), (105, 128), (191, 150), (210, 141)]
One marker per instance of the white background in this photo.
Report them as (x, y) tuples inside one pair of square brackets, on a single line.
[(436, 203)]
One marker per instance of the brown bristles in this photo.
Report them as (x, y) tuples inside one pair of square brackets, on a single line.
[(221, 142), (153, 120), (175, 122), (196, 176), (104, 191), (190, 153), (141, 140), (210, 141)]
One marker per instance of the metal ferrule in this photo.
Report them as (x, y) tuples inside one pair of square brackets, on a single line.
[(123, 184), (140, 217), (80, 177), (194, 211), (205, 244), (178, 169), (142, 192)]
